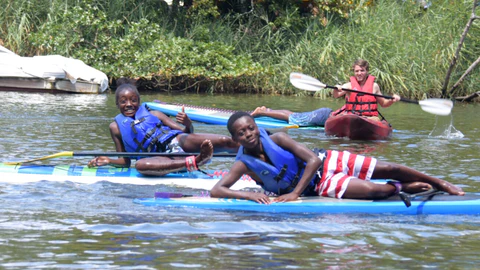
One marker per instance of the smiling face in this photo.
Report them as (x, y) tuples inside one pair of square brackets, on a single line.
[(361, 73), (246, 133), (128, 102)]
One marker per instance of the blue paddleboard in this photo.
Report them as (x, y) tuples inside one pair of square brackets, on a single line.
[(437, 204), (216, 116)]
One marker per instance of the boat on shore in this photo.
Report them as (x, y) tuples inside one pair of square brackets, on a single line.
[(51, 73), (357, 127)]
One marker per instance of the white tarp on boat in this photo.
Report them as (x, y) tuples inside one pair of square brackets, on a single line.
[(51, 66)]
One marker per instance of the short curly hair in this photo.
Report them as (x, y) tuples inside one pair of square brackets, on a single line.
[(234, 117), (125, 84)]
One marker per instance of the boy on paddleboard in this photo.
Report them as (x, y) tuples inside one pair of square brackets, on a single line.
[(289, 169), (137, 129)]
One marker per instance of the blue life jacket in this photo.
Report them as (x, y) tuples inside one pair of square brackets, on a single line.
[(145, 133), (284, 174)]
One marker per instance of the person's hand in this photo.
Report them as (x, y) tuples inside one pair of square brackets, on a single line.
[(259, 197), (99, 161), (286, 197), (183, 118), (396, 98)]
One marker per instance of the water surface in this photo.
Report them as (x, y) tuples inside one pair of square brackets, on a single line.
[(67, 225)]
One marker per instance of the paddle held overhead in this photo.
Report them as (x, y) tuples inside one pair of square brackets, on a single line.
[(433, 105)]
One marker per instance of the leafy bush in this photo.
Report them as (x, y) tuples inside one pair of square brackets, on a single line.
[(207, 47), (138, 49)]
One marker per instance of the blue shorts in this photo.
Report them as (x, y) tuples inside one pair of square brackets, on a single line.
[(313, 118)]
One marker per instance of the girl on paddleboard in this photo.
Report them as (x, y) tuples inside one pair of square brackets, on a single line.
[(289, 169)]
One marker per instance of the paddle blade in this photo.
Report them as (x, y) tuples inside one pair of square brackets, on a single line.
[(437, 106), (61, 154), (292, 126), (305, 82)]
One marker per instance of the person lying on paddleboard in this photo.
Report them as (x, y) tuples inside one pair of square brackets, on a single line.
[(289, 169), (360, 104), (301, 119), (137, 129)]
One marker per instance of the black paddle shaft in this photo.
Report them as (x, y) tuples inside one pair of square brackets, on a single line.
[(145, 154), (375, 95)]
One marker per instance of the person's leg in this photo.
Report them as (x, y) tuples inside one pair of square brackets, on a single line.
[(347, 175), (192, 142), (341, 185), (162, 165), (277, 114), (362, 189), (313, 118), (404, 174), (320, 116)]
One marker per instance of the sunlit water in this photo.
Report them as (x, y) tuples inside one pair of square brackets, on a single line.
[(52, 225)]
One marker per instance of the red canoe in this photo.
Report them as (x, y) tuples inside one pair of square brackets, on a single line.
[(357, 127)]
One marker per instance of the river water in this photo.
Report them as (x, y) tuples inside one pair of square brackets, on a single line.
[(52, 225)]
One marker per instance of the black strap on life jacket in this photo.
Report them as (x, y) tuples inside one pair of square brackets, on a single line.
[(295, 180), (282, 173), (358, 103), (148, 135), (136, 122)]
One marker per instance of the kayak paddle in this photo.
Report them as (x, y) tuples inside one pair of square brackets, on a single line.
[(115, 154), (436, 106)]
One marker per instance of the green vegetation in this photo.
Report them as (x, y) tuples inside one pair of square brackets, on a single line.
[(216, 49)]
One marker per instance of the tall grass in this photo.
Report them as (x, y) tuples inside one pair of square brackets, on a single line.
[(409, 49)]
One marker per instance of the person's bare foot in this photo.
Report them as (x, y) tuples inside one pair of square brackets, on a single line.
[(415, 187), (206, 153), (258, 111)]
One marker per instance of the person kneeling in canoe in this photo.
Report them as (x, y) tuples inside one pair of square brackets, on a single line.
[(137, 129), (358, 103), (289, 169)]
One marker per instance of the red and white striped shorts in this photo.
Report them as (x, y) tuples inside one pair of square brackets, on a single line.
[(339, 168)]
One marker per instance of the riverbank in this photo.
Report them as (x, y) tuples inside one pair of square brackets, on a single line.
[(201, 49)]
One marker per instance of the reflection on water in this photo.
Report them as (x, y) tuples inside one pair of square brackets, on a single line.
[(56, 225)]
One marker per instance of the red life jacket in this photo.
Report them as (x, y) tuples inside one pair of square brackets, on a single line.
[(358, 103)]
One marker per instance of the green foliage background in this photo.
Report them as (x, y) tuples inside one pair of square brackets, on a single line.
[(243, 48)]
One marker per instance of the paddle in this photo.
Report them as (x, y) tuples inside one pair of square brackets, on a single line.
[(407, 198), (434, 105), (166, 195), (115, 154)]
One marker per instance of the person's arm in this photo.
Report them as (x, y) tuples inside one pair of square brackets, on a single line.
[(299, 150), (384, 102), (222, 188), (338, 92), (183, 119), (119, 162)]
